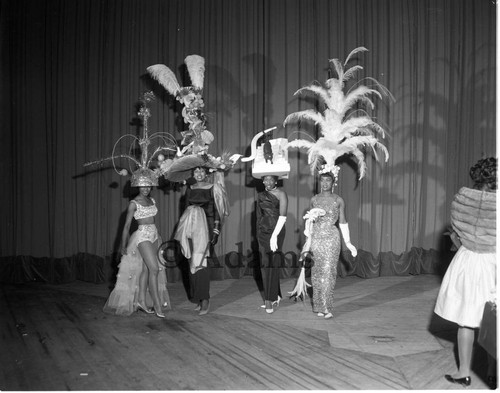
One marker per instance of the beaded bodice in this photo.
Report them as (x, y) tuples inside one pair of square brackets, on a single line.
[(324, 225), (145, 211)]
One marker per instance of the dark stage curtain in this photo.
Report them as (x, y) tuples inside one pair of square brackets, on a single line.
[(72, 72)]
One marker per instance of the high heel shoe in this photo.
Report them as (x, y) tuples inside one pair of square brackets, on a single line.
[(198, 307), (159, 314), (202, 310), (269, 306), (276, 302), (140, 307), (465, 381)]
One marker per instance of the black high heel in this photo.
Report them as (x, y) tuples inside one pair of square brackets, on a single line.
[(465, 381), (140, 307)]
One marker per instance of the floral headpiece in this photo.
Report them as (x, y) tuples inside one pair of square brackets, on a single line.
[(197, 138), (151, 163), (342, 132), (334, 171)]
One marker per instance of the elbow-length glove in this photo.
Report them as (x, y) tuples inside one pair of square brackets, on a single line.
[(277, 229), (344, 228)]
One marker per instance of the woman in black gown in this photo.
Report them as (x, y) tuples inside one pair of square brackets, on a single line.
[(272, 205), (197, 232)]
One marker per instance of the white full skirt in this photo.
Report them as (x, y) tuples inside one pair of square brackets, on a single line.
[(468, 284)]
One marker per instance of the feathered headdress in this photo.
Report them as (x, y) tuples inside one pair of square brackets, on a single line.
[(197, 138), (342, 132), (149, 163)]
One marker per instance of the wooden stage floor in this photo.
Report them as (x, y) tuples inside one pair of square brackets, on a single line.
[(384, 335)]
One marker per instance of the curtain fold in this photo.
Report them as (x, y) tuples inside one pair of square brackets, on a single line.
[(72, 72)]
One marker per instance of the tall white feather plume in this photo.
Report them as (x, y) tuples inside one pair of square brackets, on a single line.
[(353, 52), (165, 77), (196, 68), (343, 132)]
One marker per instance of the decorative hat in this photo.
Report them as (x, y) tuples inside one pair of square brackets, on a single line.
[(270, 157), (152, 163), (197, 138), (342, 132), (144, 177)]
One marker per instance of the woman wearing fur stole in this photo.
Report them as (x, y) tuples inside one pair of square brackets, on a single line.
[(470, 281)]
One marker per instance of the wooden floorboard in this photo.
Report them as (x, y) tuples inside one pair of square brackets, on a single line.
[(57, 338)]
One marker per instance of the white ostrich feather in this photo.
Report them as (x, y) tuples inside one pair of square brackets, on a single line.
[(339, 68), (300, 289), (308, 114), (343, 130), (299, 144), (165, 77), (353, 52), (360, 94), (320, 91), (351, 72), (196, 68)]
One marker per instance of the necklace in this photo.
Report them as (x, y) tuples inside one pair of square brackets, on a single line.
[(272, 189)]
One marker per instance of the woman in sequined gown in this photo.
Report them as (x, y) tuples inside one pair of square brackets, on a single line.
[(272, 205), (325, 245), (141, 278)]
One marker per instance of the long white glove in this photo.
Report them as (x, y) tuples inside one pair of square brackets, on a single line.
[(277, 229), (344, 228)]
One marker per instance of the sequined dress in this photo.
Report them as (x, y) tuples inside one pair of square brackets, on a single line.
[(325, 248)]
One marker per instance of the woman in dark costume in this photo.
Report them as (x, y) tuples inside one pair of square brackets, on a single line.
[(197, 232), (207, 203), (272, 205)]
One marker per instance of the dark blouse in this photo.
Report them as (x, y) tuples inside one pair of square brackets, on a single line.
[(268, 211), (204, 198)]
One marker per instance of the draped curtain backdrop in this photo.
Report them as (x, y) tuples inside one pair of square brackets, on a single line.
[(72, 72)]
